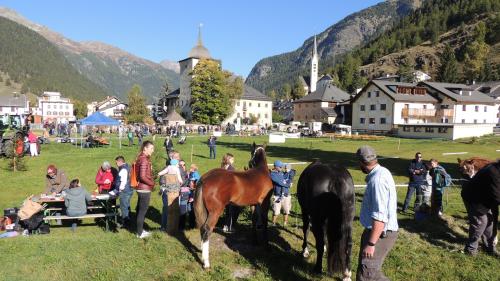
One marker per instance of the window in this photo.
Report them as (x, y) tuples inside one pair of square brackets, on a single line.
[(372, 120), (464, 107), (238, 115), (417, 129), (377, 94), (249, 104), (361, 120), (485, 108), (475, 121), (265, 105), (362, 107), (442, 130), (48, 112), (66, 113), (406, 121), (463, 121), (258, 104), (238, 104), (12, 109), (60, 106), (67, 107), (48, 106), (476, 108), (383, 106), (425, 106), (258, 115), (373, 107), (61, 113), (265, 115), (382, 120), (429, 130), (484, 121), (300, 105), (407, 105), (406, 128), (369, 94)]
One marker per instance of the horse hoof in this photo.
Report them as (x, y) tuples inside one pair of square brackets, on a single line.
[(206, 266), (346, 279)]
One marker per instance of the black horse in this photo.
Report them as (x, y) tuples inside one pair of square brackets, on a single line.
[(326, 197)]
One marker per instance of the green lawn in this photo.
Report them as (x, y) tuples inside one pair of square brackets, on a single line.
[(426, 250)]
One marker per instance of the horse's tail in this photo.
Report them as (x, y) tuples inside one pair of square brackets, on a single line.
[(340, 225), (200, 211)]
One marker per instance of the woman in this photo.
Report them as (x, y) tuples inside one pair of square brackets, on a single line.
[(169, 192), (145, 185), (75, 199), (232, 211), (104, 178)]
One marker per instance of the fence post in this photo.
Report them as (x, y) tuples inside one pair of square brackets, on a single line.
[(192, 147)]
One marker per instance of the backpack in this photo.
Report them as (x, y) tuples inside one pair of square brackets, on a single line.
[(133, 176), (447, 179)]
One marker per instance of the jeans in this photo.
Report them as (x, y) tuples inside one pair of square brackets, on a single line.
[(125, 197), (212, 151), (481, 227), (142, 208), (412, 188), (437, 200), (164, 211)]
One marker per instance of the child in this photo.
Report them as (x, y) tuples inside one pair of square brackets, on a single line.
[(194, 177)]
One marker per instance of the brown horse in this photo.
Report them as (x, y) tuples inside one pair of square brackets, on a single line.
[(469, 167), (219, 187)]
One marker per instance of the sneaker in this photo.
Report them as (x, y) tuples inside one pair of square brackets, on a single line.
[(225, 229), (144, 234), (440, 214), (112, 193)]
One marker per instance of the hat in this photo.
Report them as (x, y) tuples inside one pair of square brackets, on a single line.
[(278, 164), (174, 162), (366, 154)]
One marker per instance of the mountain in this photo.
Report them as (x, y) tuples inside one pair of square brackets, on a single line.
[(465, 33), (28, 59), (349, 33), (113, 69)]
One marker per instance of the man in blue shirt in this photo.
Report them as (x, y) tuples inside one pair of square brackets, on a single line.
[(417, 171), (281, 194), (378, 216)]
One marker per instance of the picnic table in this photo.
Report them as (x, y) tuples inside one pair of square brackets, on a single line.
[(102, 206)]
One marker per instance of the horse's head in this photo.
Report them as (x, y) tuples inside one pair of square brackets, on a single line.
[(258, 156)]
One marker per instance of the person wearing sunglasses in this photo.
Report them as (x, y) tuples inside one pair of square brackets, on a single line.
[(417, 172)]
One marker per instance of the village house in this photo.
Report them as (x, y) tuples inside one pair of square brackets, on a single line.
[(53, 108), (492, 89), (15, 104), (328, 104), (110, 107), (423, 110), (252, 103)]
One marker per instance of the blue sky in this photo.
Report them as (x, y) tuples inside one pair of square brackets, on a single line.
[(239, 33)]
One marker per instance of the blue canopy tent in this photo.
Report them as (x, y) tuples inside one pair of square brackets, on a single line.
[(97, 119)]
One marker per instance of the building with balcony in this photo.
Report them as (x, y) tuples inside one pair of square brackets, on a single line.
[(110, 107), (423, 110), (53, 108), (492, 89)]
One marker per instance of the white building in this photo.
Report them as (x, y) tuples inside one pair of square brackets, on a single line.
[(423, 110), (419, 76), (53, 108), (111, 107), (252, 103), (491, 89), (15, 104)]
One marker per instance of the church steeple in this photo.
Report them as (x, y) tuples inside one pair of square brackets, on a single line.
[(314, 67), (200, 43), (199, 51)]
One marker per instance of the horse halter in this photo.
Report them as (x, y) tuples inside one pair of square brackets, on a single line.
[(252, 162)]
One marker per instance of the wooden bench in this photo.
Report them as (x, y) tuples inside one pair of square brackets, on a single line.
[(87, 216)]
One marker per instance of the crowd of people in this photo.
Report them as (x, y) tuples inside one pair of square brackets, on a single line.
[(378, 214)]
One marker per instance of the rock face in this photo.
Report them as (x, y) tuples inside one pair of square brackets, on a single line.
[(113, 69), (349, 33)]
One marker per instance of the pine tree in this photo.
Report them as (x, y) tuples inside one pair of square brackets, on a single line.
[(137, 110), (298, 90), (448, 71), (79, 109), (405, 71)]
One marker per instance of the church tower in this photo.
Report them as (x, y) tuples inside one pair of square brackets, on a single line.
[(314, 67)]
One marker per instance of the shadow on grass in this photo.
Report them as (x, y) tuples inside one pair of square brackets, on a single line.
[(200, 156), (269, 258), (397, 166), (441, 232)]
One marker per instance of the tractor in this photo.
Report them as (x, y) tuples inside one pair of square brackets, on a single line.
[(12, 134)]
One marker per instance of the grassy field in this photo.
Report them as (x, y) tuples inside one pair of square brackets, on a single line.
[(427, 250)]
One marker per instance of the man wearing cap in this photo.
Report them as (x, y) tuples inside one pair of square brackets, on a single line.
[(281, 194), (378, 216)]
